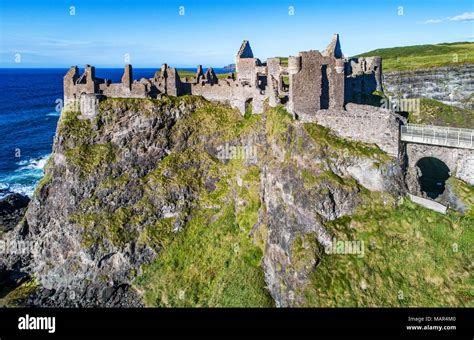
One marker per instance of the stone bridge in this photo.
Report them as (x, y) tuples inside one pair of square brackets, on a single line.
[(435, 153)]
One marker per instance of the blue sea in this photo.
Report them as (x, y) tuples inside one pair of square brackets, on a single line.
[(28, 119)]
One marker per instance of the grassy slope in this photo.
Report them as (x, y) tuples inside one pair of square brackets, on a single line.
[(420, 56), (413, 257), (214, 261), (433, 112), (423, 56)]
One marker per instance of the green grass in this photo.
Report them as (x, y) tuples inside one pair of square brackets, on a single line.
[(210, 253), (189, 74), (90, 158), (413, 257), (207, 254), (213, 261), (323, 137), (74, 129), (20, 294), (47, 179), (277, 123), (284, 61), (117, 226), (433, 112), (464, 192), (423, 56)]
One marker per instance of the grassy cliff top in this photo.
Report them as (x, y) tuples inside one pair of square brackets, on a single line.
[(423, 56), (433, 112)]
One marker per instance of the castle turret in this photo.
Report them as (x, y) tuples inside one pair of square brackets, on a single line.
[(294, 64), (164, 70)]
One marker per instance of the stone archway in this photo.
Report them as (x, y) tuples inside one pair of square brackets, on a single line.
[(460, 164), (432, 176)]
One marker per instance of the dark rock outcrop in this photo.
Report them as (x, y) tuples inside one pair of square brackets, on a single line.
[(12, 210)]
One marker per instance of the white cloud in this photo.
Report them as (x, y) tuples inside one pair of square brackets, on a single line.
[(433, 21), (466, 16)]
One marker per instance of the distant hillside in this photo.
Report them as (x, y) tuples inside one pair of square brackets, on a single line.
[(433, 112), (423, 56)]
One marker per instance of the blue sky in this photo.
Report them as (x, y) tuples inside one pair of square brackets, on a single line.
[(42, 33)]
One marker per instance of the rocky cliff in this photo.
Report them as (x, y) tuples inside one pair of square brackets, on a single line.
[(453, 85), (183, 202)]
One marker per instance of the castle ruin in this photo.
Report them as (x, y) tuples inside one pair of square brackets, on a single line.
[(321, 87), (311, 81)]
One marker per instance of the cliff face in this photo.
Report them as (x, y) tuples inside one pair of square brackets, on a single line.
[(452, 85), (182, 202)]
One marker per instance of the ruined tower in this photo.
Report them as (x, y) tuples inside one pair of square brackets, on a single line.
[(127, 78), (245, 65), (69, 84)]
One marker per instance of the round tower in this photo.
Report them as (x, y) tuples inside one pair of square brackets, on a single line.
[(294, 65)]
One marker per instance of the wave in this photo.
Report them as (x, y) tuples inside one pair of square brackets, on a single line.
[(33, 163), (25, 178), (53, 114)]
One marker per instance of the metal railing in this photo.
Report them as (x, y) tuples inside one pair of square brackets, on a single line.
[(438, 135)]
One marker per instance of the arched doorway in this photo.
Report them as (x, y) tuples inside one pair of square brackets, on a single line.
[(433, 176), (248, 106)]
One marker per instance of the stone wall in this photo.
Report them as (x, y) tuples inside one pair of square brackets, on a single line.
[(364, 123), (231, 92), (316, 81), (459, 161), (305, 86), (273, 81)]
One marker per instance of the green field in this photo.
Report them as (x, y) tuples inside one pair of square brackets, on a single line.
[(423, 56), (433, 112), (186, 73), (420, 56)]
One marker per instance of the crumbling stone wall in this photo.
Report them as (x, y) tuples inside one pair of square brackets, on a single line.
[(317, 81), (365, 123), (273, 80)]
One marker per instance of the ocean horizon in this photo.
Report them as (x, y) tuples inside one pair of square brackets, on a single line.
[(29, 116)]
